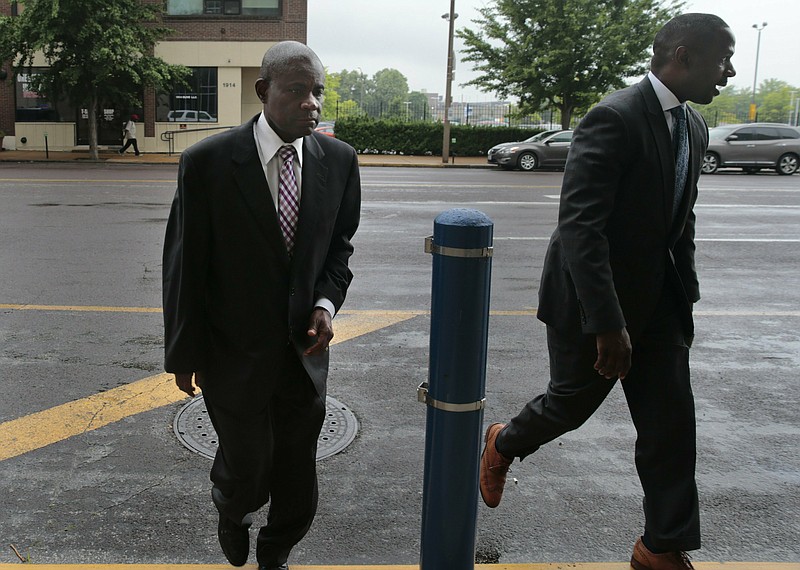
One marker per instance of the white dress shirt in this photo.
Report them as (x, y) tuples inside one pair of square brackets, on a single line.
[(666, 98), (268, 144)]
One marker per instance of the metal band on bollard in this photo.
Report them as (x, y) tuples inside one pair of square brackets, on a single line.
[(424, 397), (432, 248)]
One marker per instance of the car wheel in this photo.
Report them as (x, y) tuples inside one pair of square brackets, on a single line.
[(527, 161), (787, 164), (710, 163)]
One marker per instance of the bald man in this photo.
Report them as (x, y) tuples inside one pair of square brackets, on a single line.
[(255, 267)]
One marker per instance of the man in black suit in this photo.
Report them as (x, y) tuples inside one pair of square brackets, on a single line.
[(619, 283), (255, 266)]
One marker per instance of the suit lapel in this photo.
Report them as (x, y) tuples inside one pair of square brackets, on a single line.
[(315, 175), (658, 126), (252, 184)]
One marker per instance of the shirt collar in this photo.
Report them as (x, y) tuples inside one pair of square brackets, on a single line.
[(270, 142), (665, 96)]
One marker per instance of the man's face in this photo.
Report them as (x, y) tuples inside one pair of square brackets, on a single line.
[(710, 67), (293, 100)]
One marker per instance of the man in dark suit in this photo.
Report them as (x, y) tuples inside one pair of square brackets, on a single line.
[(619, 283), (255, 266)]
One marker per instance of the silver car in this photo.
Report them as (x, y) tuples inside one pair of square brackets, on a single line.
[(548, 148), (752, 147)]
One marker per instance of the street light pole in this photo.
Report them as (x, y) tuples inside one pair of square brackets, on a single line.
[(451, 17), (755, 75)]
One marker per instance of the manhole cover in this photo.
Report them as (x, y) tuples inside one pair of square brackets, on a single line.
[(194, 429)]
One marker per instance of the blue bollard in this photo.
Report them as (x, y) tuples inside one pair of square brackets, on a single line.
[(462, 248)]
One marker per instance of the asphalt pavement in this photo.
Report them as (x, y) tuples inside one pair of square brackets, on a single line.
[(92, 471)]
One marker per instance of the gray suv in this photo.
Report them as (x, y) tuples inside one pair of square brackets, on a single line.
[(752, 147)]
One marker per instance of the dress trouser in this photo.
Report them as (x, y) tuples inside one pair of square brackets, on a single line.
[(270, 456), (659, 395)]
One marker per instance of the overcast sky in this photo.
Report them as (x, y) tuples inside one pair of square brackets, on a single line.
[(411, 36)]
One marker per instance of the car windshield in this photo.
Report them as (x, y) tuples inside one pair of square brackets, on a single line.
[(540, 136), (719, 133)]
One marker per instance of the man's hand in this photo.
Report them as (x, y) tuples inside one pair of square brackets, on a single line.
[(320, 326), (184, 381), (613, 354)]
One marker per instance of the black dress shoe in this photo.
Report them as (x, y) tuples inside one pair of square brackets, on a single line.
[(234, 540), (283, 566)]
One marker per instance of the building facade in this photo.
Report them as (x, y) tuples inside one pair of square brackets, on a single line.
[(221, 41)]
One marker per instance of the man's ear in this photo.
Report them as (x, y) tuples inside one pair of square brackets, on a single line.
[(261, 89), (682, 56)]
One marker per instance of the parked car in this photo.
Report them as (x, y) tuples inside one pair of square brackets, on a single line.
[(548, 148), (190, 116), (752, 147), (326, 129)]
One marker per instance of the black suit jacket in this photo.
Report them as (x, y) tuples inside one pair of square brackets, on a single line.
[(233, 299), (616, 246)]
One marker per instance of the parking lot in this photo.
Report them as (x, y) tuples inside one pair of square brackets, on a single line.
[(80, 269)]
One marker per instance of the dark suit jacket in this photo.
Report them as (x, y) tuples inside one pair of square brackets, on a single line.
[(616, 246), (232, 297)]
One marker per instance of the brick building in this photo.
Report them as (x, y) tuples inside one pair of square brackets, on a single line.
[(222, 41)]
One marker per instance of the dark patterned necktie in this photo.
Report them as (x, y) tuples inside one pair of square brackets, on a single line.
[(680, 140), (288, 199)]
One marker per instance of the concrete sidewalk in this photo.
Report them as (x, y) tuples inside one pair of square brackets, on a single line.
[(112, 157)]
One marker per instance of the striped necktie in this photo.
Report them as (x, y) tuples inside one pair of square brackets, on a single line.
[(288, 196), (680, 140)]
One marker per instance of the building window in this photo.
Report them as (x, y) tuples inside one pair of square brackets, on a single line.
[(32, 106), (195, 103), (258, 8)]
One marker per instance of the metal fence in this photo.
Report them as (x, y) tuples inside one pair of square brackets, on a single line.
[(491, 114)]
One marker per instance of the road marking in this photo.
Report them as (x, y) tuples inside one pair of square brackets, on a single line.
[(80, 308), (34, 181), (545, 566), (40, 429), (750, 240)]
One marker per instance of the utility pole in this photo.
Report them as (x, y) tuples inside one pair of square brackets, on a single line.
[(753, 114), (451, 18)]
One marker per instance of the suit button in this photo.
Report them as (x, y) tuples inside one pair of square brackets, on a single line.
[(291, 292)]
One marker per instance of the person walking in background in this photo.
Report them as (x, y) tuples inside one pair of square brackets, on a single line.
[(619, 283), (256, 261), (129, 135)]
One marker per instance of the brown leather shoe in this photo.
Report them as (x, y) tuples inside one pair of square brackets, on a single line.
[(494, 467), (643, 559)]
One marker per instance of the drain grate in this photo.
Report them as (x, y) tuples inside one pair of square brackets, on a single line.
[(195, 431)]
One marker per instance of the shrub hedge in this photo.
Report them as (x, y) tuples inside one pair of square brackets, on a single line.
[(370, 136)]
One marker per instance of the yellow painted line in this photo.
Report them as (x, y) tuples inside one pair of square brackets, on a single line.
[(74, 418), (550, 566), (85, 181), (80, 308), (49, 426)]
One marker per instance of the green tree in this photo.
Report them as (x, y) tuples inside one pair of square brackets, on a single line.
[(355, 86), (97, 51), (562, 53), (774, 101), (418, 106), (389, 94), (732, 105), (332, 97)]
